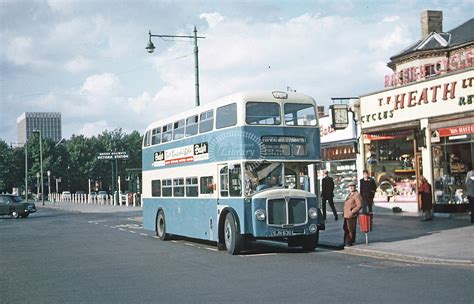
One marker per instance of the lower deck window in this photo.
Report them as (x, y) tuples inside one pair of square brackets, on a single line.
[(156, 188), (167, 188), (178, 187), (207, 185), (192, 186)]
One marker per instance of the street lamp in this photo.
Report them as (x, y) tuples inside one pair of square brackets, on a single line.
[(49, 183), (41, 164), (150, 48), (37, 185)]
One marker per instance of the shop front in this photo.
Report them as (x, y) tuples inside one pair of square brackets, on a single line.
[(453, 152), (424, 128), (339, 154)]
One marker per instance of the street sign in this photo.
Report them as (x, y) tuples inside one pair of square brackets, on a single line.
[(112, 155)]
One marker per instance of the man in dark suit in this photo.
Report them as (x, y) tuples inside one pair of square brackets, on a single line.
[(367, 188), (327, 194)]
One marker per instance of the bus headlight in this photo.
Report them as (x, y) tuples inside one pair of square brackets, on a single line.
[(313, 213), (313, 228), (260, 214)]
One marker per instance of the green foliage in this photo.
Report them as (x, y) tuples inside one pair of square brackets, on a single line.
[(74, 161)]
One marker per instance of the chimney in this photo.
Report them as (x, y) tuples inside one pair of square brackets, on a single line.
[(431, 21)]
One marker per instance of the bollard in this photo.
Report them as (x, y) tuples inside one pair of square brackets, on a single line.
[(134, 200)]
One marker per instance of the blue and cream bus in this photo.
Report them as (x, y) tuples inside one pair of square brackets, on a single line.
[(234, 171)]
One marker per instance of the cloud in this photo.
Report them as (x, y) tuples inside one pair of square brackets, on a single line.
[(389, 19), (212, 19), (21, 51), (391, 40), (100, 85), (94, 128), (312, 53), (77, 64)]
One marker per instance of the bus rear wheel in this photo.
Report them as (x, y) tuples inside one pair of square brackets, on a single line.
[(161, 226), (232, 236), (310, 242)]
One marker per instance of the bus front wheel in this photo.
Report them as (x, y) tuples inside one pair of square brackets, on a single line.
[(232, 236), (161, 226), (311, 242)]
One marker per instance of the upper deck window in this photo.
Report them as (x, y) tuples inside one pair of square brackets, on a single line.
[(192, 125), (262, 113), (300, 114), (226, 116), (206, 121), (178, 129), (156, 136), (146, 140), (167, 133)]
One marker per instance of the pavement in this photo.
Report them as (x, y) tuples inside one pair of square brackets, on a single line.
[(403, 236), (396, 236)]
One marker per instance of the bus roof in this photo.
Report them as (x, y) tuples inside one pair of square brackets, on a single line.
[(240, 97)]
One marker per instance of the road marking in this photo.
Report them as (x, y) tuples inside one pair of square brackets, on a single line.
[(131, 231), (398, 259), (257, 254), (211, 249), (144, 234), (173, 241), (136, 219), (156, 237), (189, 244), (121, 229), (106, 225)]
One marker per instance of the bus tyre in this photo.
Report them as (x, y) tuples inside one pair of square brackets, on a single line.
[(161, 226), (311, 242), (232, 237)]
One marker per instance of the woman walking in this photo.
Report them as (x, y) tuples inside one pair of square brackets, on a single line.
[(426, 199)]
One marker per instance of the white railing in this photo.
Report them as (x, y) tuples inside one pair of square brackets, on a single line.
[(127, 200)]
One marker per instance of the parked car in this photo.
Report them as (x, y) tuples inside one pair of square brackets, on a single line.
[(102, 195), (15, 206), (66, 195), (93, 195)]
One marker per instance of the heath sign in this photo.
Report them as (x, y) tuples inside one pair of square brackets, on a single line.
[(442, 96)]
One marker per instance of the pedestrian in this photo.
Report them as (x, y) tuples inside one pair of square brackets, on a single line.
[(327, 194), (352, 205), (426, 199), (367, 188), (470, 191)]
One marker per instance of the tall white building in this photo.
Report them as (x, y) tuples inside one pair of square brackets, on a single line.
[(48, 122)]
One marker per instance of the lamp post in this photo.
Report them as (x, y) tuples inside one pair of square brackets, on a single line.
[(49, 183), (41, 164), (150, 48), (37, 185)]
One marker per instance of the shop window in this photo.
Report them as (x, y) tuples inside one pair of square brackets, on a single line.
[(391, 161), (450, 165)]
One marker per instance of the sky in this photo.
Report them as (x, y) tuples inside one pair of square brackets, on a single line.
[(87, 58)]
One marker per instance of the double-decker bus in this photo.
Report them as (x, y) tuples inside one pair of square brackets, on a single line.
[(234, 171)]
